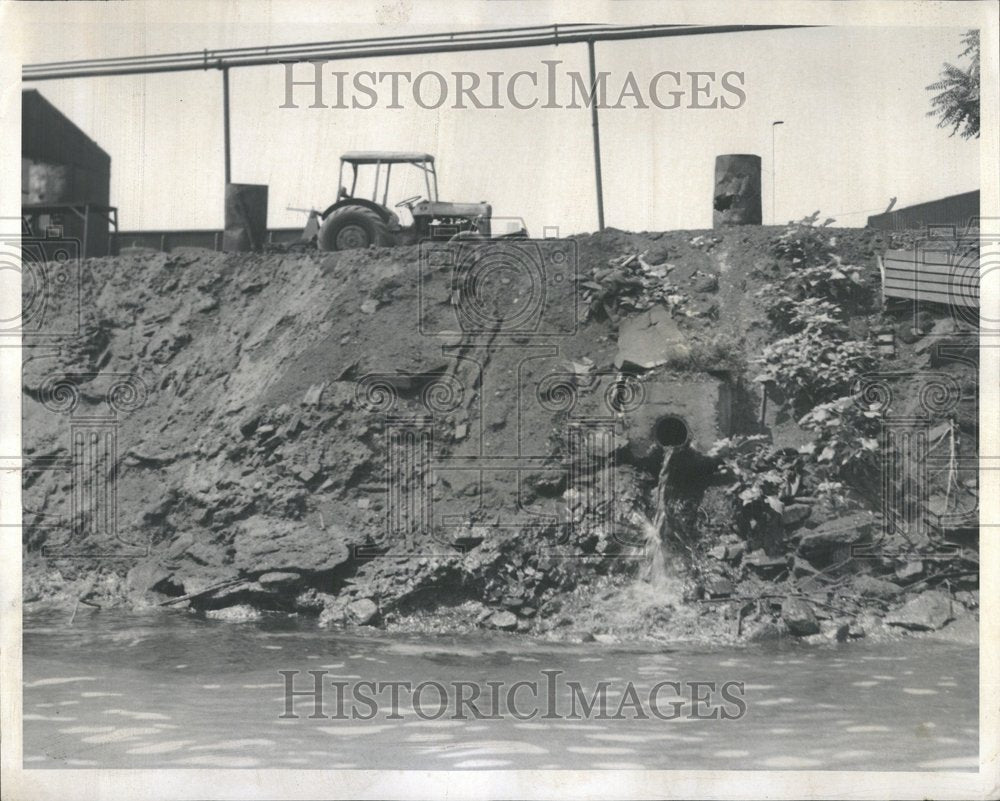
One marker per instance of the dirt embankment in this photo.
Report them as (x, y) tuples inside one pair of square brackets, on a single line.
[(356, 436)]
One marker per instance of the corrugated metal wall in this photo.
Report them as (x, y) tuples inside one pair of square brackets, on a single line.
[(957, 210)]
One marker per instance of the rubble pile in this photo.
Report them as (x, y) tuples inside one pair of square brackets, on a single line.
[(250, 467), (629, 284)]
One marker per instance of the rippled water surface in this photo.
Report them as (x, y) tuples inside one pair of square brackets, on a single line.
[(164, 691)]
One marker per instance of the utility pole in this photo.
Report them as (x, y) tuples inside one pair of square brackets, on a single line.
[(774, 171), (595, 126), (225, 122)]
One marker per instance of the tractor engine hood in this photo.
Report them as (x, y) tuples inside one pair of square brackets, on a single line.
[(428, 208)]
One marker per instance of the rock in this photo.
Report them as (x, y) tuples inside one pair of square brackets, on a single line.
[(271, 544), (799, 617), (835, 534), (512, 602), (735, 551), (923, 321), (964, 630), (708, 283), (958, 347), (240, 613), (148, 576), (314, 394), (252, 286), (795, 513), (762, 563), (765, 632), (905, 332), (718, 587), (362, 612), (466, 539), (968, 598), (650, 339), (505, 621), (656, 254), (312, 601), (227, 595), (293, 425), (718, 552), (333, 613), (872, 587), (550, 608), (945, 325), (278, 579), (801, 568), (835, 630), (369, 306), (929, 611), (910, 570), (606, 639), (179, 546)]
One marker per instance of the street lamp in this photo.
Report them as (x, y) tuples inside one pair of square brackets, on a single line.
[(774, 171)]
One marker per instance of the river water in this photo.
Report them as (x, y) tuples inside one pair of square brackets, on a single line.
[(174, 691)]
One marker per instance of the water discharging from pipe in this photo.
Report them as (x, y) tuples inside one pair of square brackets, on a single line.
[(655, 572)]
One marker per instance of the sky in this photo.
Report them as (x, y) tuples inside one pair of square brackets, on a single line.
[(852, 99)]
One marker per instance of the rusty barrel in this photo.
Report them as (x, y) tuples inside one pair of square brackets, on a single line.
[(737, 190), (246, 217)]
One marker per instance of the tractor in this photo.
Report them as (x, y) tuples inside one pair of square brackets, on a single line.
[(357, 222)]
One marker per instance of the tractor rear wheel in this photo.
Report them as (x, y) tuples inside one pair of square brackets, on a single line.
[(351, 227)]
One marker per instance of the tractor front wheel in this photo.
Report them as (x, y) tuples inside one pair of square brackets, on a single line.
[(351, 227)]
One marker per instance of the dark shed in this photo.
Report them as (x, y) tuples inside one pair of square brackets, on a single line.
[(65, 177)]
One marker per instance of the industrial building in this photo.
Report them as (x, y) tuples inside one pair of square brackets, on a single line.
[(958, 210), (65, 179)]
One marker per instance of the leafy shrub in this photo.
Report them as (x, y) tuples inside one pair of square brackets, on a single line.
[(763, 479), (836, 285), (847, 442), (761, 473), (804, 242), (792, 315), (817, 363)]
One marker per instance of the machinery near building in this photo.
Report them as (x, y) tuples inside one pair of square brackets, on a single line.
[(357, 222)]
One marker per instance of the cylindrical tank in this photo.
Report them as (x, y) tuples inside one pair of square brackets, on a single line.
[(737, 190), (246, 217)]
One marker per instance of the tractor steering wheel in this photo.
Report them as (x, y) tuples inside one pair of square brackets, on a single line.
[(408, 202)]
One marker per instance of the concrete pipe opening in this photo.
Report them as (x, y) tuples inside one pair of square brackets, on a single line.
[(671, 431)]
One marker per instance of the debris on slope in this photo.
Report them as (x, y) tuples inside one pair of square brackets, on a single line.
[(253, 474), (629, 284)]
